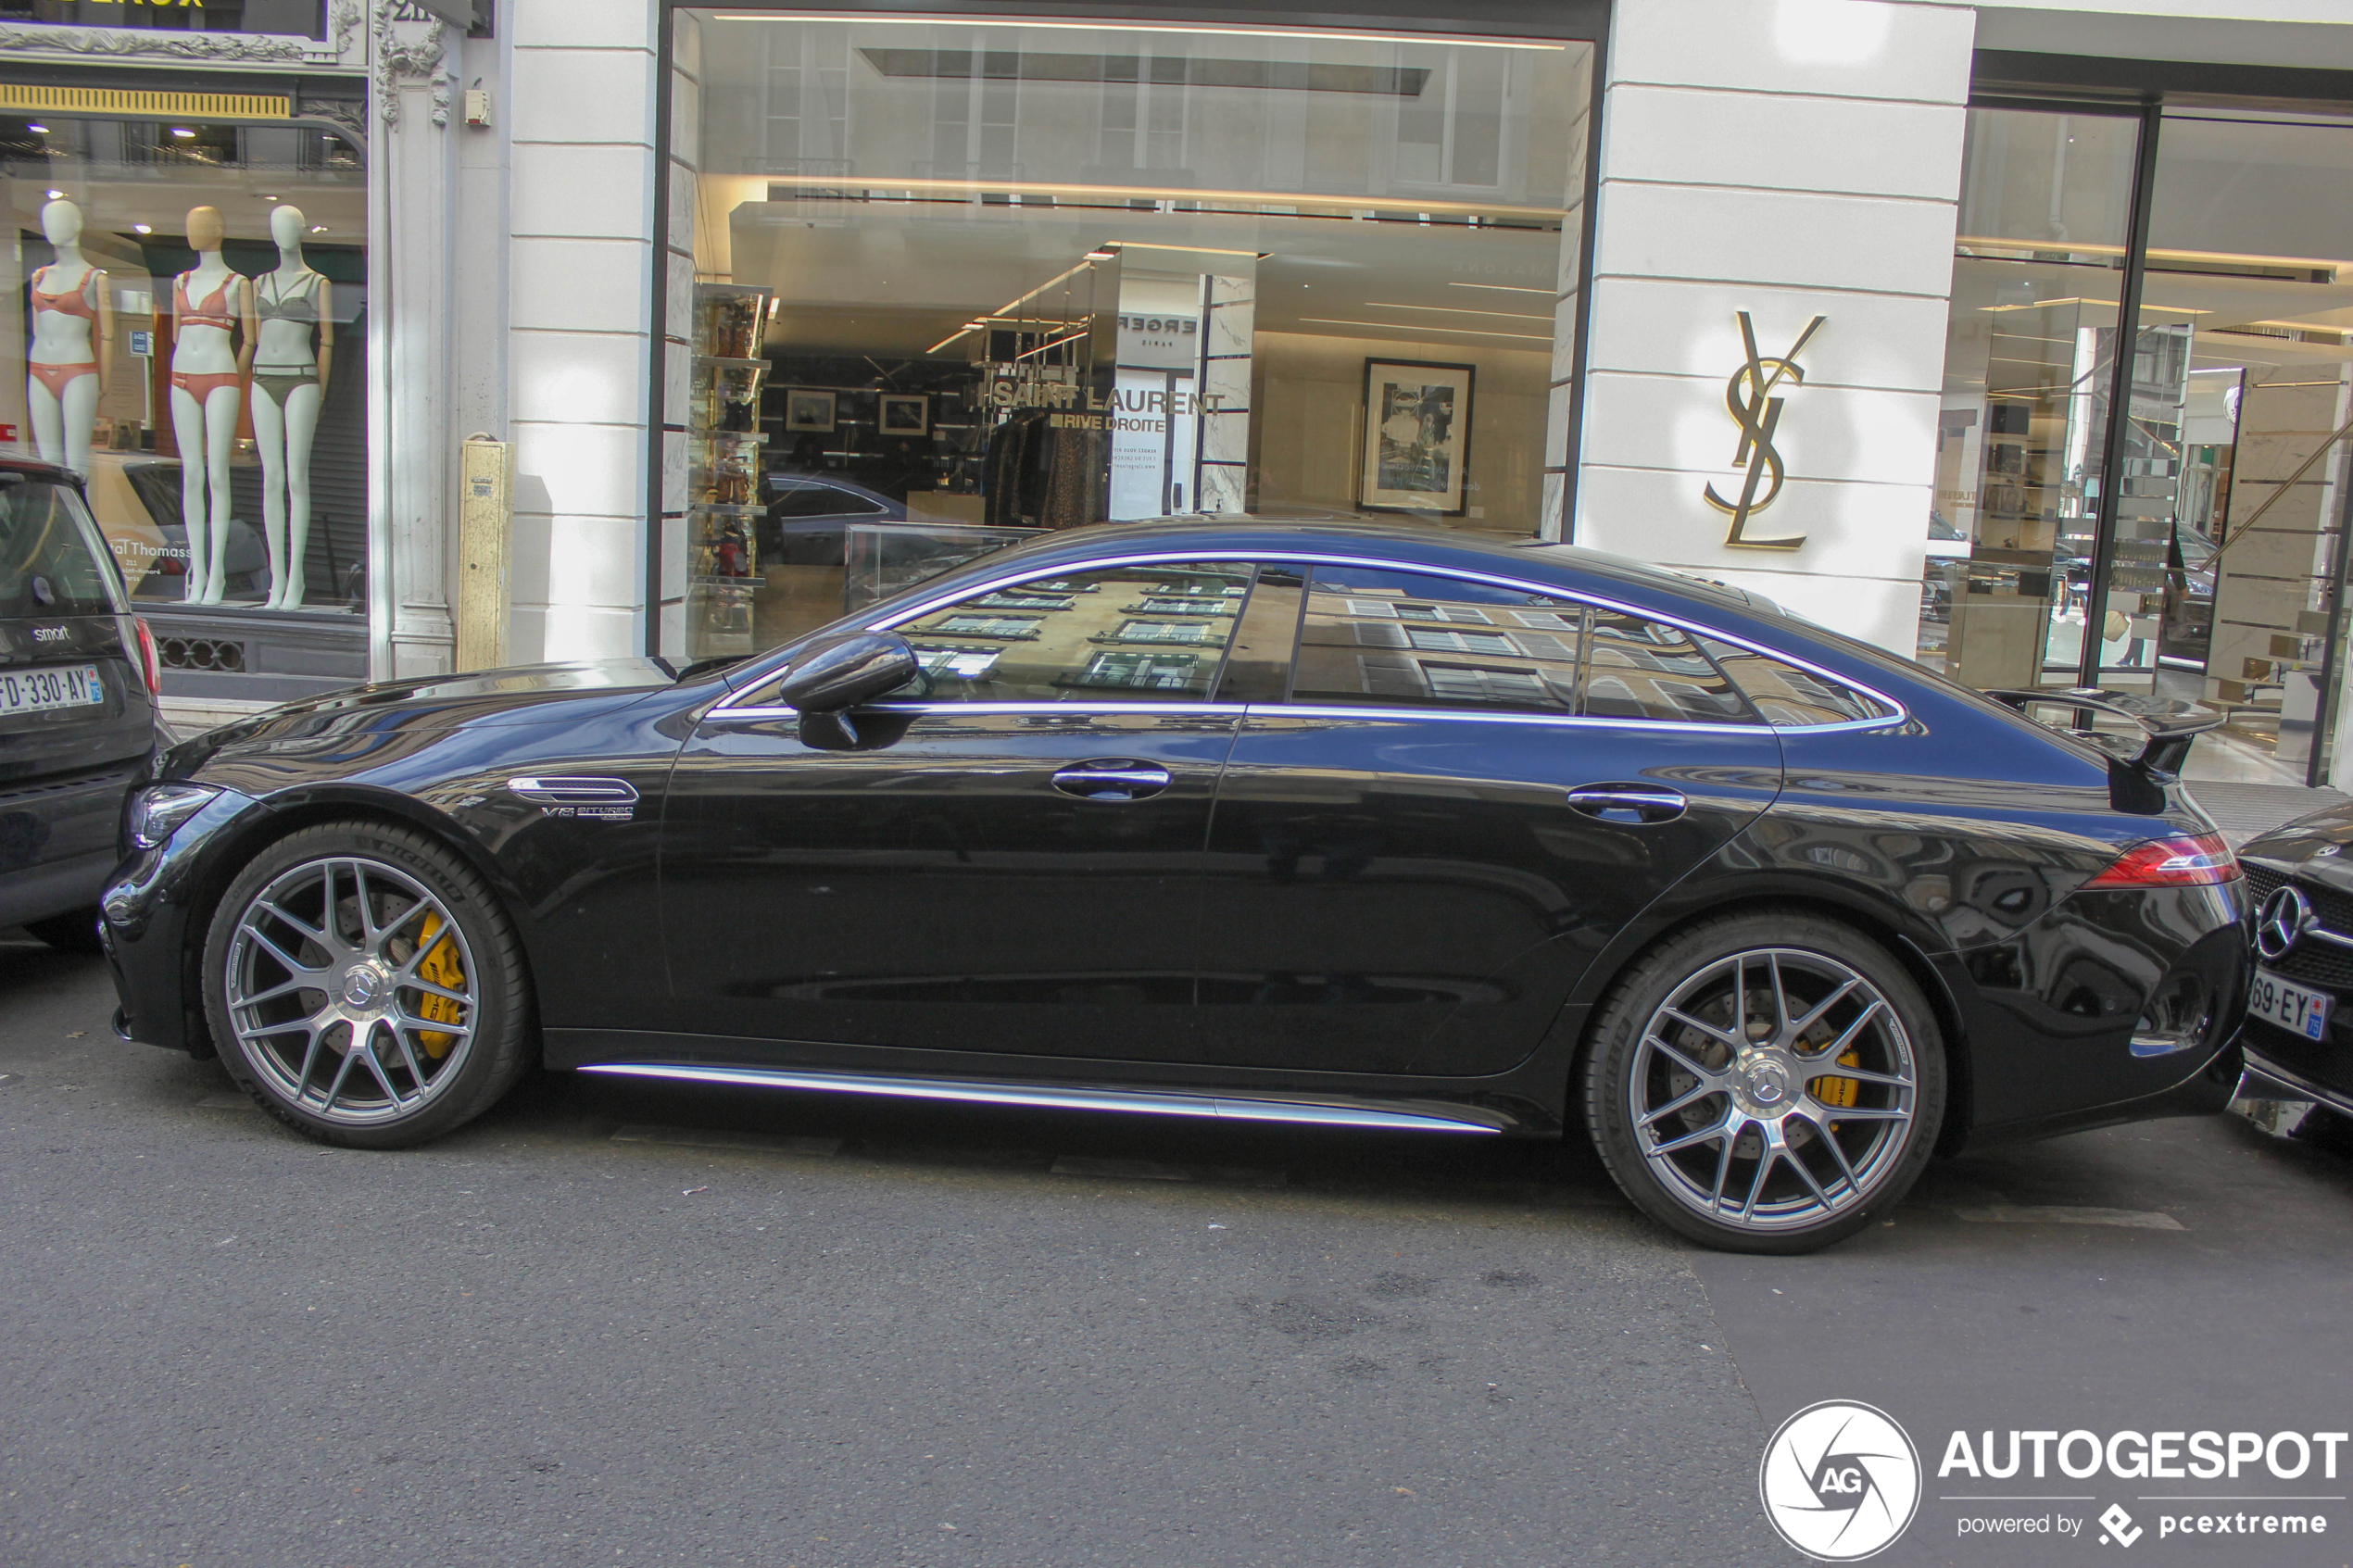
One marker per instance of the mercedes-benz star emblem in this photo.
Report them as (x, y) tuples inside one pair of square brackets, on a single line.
[(2282, 922)]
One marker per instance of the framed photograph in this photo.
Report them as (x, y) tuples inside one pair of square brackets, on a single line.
[(808, 410), (906, 413), (1417, 420)]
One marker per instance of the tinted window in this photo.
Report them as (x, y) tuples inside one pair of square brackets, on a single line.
[(1788, 696), (50, 555), (1123, 633), (1642, 669), (1400, 639)]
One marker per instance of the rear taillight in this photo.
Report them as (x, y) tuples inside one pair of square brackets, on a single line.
[(149, 665), (2190, 861)]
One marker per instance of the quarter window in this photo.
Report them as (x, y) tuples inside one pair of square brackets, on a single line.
[(1788, 696), (1639, 668), (1076, 635)]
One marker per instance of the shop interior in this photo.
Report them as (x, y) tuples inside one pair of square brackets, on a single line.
[(2224, 568), (1170, 274)]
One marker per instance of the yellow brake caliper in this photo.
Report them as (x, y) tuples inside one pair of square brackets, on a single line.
[(442, 967), (1840, 1093)]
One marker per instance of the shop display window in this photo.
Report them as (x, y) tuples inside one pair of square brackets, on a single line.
[(2201, 559), (190, 335), (1012, 277)]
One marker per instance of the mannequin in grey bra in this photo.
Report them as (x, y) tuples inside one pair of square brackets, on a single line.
[(289, 386)]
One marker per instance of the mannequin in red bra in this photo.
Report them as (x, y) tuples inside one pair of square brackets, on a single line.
[(72, 336), (210, 306)]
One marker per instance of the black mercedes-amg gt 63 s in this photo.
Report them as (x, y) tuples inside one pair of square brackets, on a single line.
[(1335, 825), (2298, 1036)]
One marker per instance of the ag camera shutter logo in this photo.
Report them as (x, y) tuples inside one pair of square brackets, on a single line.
[(1840, 1481)]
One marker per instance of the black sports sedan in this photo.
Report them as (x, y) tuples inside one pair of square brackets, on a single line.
[(1343, 825), (2297, 1045)]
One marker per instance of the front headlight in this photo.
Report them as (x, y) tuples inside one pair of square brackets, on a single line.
[(158, 811)]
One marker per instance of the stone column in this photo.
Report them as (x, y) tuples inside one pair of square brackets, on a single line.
[(1229, 310), (1787, 161), (411, 483)]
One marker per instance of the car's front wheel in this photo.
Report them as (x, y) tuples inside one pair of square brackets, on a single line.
[(364, 986), (1768, 1082)]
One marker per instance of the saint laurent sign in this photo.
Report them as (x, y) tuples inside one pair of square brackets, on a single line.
[(1748, 397)]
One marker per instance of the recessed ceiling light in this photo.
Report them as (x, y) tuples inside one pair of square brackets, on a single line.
[(317, 228), (178, 131), (142, 228), (265, 198), (37, 130), (56, 196)]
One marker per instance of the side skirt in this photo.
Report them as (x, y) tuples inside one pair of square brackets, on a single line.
[(1425, 1117)]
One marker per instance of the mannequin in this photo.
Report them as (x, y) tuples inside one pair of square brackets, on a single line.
[(210, 304), (289, 386), (72, 336)]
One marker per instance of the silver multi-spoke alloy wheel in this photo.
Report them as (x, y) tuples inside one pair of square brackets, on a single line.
[(1773, 1089), (352, 990), (1771, 1080)]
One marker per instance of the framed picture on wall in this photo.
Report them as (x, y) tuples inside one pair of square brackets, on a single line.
[(1417, 420), (906, 413), (808, 410)]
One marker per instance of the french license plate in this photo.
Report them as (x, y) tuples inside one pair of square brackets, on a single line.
[(2291, 1007), (37, 691)]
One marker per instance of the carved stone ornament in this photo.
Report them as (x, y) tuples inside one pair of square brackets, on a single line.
[(345, 112), (405, 55), (131, 42), (347, 14)]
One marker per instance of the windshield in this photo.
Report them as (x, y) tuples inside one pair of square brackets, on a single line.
[(52, 561)]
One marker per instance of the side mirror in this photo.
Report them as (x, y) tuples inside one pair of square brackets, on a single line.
[(847, 671)]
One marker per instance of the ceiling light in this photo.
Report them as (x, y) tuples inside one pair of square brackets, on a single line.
[(177, 131), (1454, 310), (265, 198), (56, 196), (1417, 205), (37, 130), (1092, 26), (1420, 327), (143, 228), (317, 228)]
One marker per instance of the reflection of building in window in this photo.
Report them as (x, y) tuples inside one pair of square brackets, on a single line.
[(1163, 604), (1156, 671), (965, 664), (987, 626), (1786, 694), (1171, 632), (1460, 642), (1406, 609), (1015, 600), (1551, 620), (1469, 682)]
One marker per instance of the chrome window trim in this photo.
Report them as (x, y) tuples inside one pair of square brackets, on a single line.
[(1900, 713)]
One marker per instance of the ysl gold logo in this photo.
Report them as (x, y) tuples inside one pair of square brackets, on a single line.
[(1748, 397)]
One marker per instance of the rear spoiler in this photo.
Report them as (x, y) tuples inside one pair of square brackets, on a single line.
[(2167, 726)]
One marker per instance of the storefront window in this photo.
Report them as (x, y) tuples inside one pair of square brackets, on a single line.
[(190, 337), (2201, 560), (1017, 277), (2045, 228)]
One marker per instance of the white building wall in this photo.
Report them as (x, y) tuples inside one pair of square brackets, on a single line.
[(1789, 159), (580, 121)]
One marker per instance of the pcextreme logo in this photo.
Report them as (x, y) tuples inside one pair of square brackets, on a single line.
[(1840, 1481)]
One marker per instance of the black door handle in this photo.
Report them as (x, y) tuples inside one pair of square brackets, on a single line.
[(1117, 778), (1629, 802)]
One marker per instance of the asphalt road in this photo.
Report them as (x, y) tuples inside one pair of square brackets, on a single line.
[(615, 1325)]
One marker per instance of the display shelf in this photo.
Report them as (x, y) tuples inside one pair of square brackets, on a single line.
[(723, 459)]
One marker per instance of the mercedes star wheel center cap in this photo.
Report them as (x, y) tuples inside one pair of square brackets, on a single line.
[(362, 986), (2281, 923)]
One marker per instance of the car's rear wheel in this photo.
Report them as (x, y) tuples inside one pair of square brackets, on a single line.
[(1770, 1082), (364, 986)]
